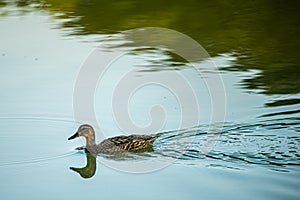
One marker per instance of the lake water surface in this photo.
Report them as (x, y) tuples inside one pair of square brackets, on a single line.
[(254, 155)]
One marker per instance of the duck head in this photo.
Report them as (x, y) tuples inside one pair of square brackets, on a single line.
[(85, 130)]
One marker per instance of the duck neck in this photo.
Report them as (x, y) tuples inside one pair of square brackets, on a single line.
[(90, 141)]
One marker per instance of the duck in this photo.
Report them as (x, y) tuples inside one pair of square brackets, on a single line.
[(118, 144)]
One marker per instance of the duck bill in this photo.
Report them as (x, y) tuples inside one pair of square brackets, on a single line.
[(74, 136)]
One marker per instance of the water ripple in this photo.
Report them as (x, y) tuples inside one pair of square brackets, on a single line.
[(37, 160), (263, 144)]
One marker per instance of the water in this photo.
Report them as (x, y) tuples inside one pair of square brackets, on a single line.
[(254, 44)]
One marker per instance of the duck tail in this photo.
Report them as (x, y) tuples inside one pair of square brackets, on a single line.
[(153, 138)]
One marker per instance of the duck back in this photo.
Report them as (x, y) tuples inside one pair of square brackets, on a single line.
[(125, 143)]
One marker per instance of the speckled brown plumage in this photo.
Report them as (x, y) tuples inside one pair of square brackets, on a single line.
[(115, 144)]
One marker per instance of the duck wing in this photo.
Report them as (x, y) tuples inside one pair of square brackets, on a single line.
[(133, 142)]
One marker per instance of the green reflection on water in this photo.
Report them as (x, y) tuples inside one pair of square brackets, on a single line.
[(90, 169), (260, 34)]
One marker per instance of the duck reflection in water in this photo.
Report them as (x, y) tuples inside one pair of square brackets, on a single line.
[(91, 166), (90, 169)]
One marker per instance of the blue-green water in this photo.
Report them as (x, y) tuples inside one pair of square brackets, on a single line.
[(43, 46)]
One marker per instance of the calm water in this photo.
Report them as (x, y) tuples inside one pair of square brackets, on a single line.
[(255, 45)]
